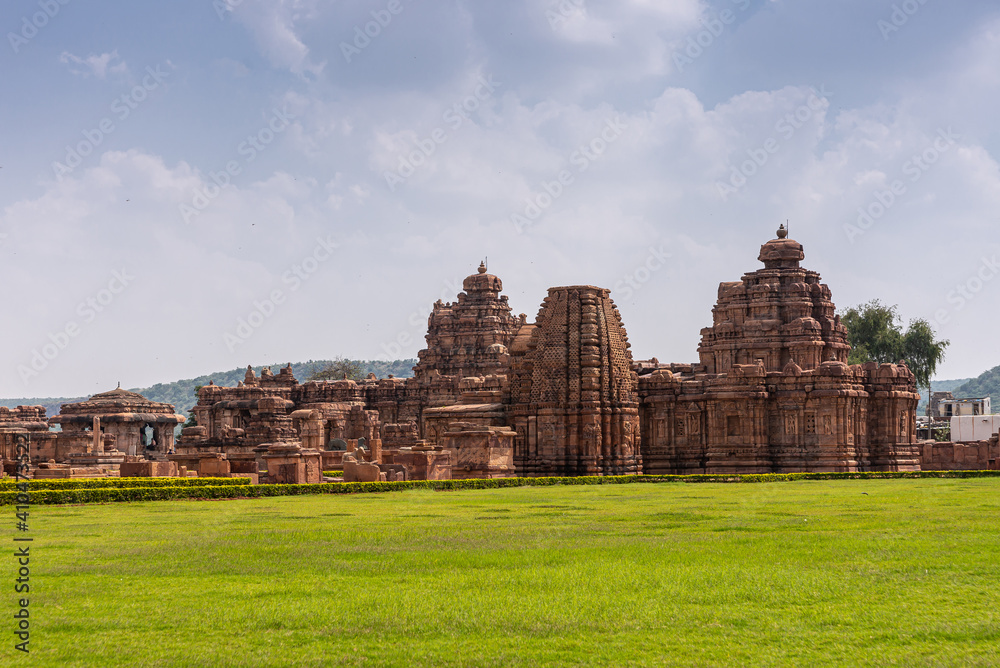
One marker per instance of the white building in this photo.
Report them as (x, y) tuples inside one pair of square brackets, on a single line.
[(974, 427), (951, 407)]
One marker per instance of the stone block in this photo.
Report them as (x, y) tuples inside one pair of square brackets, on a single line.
[(480, 452), (312, 460), (287, 463), (420, 464), (242, 467), (214, 467), (148, 469)]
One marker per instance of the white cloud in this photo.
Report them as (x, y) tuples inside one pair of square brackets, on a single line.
[(655, 185), (272, 24), (96, 66)]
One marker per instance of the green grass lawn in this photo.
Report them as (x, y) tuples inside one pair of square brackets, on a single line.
[(883, 572)]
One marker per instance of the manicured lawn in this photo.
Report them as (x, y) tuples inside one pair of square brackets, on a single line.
[(884, 572)]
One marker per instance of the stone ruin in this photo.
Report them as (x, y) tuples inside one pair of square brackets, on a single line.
[(480, 451), (962, 456), (96, 437), (21, 421), (131, 424), (494, 395)]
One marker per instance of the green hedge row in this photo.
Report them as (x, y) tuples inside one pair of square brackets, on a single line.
[(233, 490), (8, 484)]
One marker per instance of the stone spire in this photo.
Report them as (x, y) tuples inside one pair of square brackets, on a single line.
[(779, 314), (573, 390), (469, 337)]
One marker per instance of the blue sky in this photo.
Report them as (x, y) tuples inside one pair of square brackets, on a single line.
[(645, 146)]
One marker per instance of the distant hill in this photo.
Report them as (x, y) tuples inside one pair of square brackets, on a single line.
[(986, 385), (938, 386), (180, 393), (51, 404)]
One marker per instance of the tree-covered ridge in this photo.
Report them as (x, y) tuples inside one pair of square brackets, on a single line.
[(986, 384), (180, 393), (51, 404)]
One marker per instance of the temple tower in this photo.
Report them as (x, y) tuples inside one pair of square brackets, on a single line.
[(774, 392), (573, 391), (466, 338), (778, 314)]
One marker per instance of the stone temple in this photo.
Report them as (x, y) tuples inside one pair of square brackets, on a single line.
[(773, 391), (494, 395)]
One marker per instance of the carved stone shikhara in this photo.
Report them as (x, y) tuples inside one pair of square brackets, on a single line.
[(572, 397), (466, 338), (773, 391)]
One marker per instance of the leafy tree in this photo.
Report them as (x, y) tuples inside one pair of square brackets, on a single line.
[(875, 333), (339, 369), (192, 421)]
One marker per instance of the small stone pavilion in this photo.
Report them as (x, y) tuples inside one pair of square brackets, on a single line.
[(120, 421), (96, 436)]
